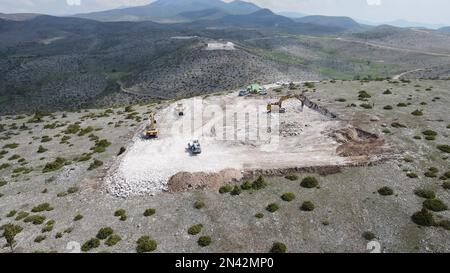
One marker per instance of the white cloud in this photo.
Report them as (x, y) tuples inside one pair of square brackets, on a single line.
[(374, 2), (73, 2)]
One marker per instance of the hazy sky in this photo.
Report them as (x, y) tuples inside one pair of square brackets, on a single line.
[(425, 11)]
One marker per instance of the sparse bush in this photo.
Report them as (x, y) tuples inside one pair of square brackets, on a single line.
[(72, 129), (225, 189), (444, 224), (366, 106), (57, 164), (387, 92), (247, 185), (402, 104), (369, 236), (90, 244), (307, 206), (291, 177), (429, 133), (12, 213), (199, 204), (113, 240), (35, 219), (236, 191), (423, 218), (446, 185), (398, 125), (412, 175), (417, 113), (146, 244), (11, 146), (288, 197), (104, 233), (259, 215), (78, 217), (386, 191), (388, 107), (21, 215), (259, 183), (149, 212), (195, 229), (41, 149), (121, 213), (364, 95), (424, 193), (3, 182), (272, 207), (96, 164), (9, 233), (204, 241), (435, 205), (309, 182), (444, 148), (42, 207), (40, 238), (278, 247), (100, 146)]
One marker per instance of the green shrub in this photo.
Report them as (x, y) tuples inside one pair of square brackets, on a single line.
[(94, 165), (247, 185), (430, 133), (412, 175), (85, 131), (417, 113), (278, 247), (387, 92), (100, 146), (423, 218), (446, 185), (199, 204), (113, 240), (435, 205), (307, 206), (398, 125), (309, 182), (430, 174), (444, 148), (402, 104), (364, 95), (4, 166), (386, 191), (12, 213), (288, 196), (291, 177), (55, 165), (388, 107), (369, 236), (40, 238), (14, 157), (341, 100), (104, 233), (11, 146), (424, 193), (444, 224), (146, 244), (259, 183), (272, 207), (225, 189), (78, 217), (259, 215), (21, 215), (2, 182), (90, 244), (204, 241), (195, 229), (41, 149), (35, 219), (236, 191), (366, 106), (149, 212), (121, 213), (42, 207), (72, 129)]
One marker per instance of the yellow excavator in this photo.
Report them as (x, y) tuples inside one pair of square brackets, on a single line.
[(280, 103), (152, 132)]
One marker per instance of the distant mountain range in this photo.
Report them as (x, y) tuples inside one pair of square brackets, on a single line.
[(330, 21), (167, 11), (445, 29)]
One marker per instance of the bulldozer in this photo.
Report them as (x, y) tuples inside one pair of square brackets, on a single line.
[(279, 103), (152, 132)]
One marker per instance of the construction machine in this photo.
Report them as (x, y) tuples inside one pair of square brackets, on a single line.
[(279, 103), (180, 109), (194, 147), (152, 132)]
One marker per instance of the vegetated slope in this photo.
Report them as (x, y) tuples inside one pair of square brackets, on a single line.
[(167, 10), (193, 70), (18, 16), (408, 38), (331, 21)]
